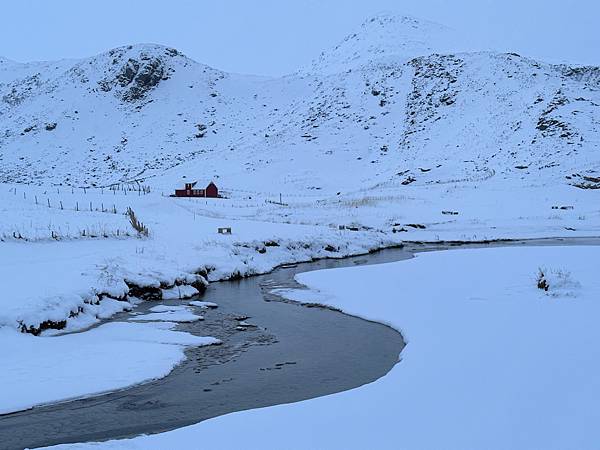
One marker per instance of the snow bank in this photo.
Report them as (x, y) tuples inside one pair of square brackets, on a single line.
[(179, 292), (112, 356), (74, 277), (491, 362)]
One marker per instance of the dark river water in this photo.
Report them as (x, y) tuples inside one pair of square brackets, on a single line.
[(293, 353)]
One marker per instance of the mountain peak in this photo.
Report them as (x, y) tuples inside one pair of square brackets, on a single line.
[(388, 36)]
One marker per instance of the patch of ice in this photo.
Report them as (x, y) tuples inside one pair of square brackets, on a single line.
[(168, 316), (203, 305)]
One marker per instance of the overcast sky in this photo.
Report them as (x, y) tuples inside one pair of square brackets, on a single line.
[(277, 36)]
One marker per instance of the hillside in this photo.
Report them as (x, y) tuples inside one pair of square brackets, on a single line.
[(389, 104)]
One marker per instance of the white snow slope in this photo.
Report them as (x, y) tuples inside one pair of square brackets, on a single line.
[(391, 98), (492, 362)]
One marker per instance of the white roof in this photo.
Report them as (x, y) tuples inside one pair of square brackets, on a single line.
[(200, 183)]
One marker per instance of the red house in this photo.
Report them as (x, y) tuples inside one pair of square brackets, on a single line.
[(191, 190)]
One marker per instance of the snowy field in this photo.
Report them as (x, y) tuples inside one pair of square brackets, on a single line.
[(61, 269), (88, 249), (74, 266), (73, 269), (491, 362)]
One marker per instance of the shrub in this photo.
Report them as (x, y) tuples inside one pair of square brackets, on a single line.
[(136, 224), (542, 283)]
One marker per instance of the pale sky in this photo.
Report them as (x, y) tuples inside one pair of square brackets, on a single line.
[(276, 37)]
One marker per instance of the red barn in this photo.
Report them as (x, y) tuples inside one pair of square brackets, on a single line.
[(191, 190)]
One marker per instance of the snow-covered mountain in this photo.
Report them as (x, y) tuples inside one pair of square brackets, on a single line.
[(386, 36), (393, 103)]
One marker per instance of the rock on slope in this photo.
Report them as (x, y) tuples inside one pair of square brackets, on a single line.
[(391, 104)]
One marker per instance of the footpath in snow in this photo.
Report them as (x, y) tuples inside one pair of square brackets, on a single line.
[(491, 362)]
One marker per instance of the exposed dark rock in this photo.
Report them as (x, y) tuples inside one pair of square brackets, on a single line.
[(128, 72), (137, 77), (144, 292), (408, 180), (549, 125), (45, 325), (200, 284), (201, 130), (147, 77)]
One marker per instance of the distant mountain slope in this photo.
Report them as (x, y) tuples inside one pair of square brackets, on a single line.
[(391, 104)]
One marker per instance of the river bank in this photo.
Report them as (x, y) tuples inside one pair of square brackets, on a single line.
[(286, 353)]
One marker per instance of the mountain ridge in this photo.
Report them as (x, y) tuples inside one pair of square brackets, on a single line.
[(147, 110)]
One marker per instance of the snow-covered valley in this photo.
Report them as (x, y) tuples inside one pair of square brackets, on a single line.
[(381, 136), (400, 133)]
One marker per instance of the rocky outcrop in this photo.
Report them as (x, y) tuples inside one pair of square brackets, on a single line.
[(136, 75), (147, 76)]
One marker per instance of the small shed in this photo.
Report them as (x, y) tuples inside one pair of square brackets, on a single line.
[(192, 189)]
